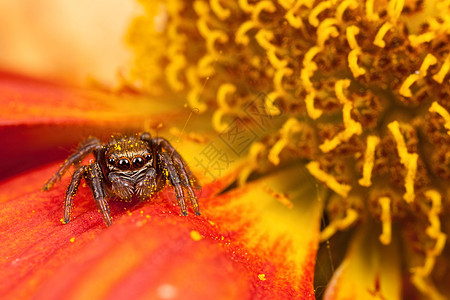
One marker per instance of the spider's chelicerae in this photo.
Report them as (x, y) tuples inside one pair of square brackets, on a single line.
[(127, 167)]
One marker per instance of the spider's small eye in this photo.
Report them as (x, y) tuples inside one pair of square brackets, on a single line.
[(148, 157), (124, 164), (138, 162), (112, 161)]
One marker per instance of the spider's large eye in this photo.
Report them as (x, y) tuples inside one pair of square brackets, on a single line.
[(138, 162), (124, 164)]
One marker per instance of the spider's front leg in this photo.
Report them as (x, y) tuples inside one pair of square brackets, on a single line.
[(94, 179), (86, 148)]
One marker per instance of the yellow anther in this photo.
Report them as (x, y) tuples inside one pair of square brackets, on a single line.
[(353, 63), (310, 54), (429, 60), (436, 108), (339, 225), (309, 67), (312, 18), (386, 221), (221, 12), (263, 37), (291, 126), (395, 8), (351, 33), (378, 41), (294, 20), (339, 188), (260, 6), (270, 108), (346, 4), (369, 157), (326, 30), (339, 87), (408, 160), (439, 77), (370, 14), (211, 39), (416, 40), (254, 153), (433, 231), (173, 70), (241, 32), (351, 127), (217, 120), (313, 112), (286, 4), (224, 91), (274, 60), (405, 90), (205, 66), (245, 6), (193, 98), (278, 78)]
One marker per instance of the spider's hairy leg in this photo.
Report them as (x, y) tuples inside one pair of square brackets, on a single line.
[(86, 148), (187, 179), (71, 191), (174, 179), (147, 186), (94, 179)]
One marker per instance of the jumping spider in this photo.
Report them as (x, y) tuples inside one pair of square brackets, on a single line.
[(125, 167)]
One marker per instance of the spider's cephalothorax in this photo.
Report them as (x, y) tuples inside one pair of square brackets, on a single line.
[(126, 167)]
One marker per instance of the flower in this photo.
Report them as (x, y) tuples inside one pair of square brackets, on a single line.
[(358, 90)]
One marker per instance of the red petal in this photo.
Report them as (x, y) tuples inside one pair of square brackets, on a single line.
[(234, 250)]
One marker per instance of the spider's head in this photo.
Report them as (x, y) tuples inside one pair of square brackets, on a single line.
[(127, 154)]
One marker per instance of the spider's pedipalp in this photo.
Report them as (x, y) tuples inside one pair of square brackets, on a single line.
[(71, 191), (85, 149)]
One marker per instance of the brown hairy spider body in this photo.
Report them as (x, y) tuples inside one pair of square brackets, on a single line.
[(127, 167)]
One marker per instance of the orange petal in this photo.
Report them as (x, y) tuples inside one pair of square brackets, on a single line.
[(245, 245)]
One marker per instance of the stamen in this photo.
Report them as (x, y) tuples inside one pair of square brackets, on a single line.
[(259, 7), (224, 91), (256, 150), (313, 112), (290, 127), (426, 37), (270, 108), (395, 8), (312, 18), (378, 41), (429, 60), (241, 32), (339, 225), (353, 63), (439, 77), (408, 160), (436, 108), (340, 189), (420, 274), (370, 14), (351, 4), (369, 158), (221, 12), (385, 237), (326, 30), (245, 6), (351, 33)]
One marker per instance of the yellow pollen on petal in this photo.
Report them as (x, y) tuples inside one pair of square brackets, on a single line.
[(351, 33), (370, 14), (221, 12), (340, 189), (339, 225), (386, 235), (312, 18), (420, 274), (439, 77), (353, 63), (369, 158), (195, 235), (378, 41), (436, 108), (395, 8), (262, 277), (346, 4), (313, 113), (408, 160), (416, 40)]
